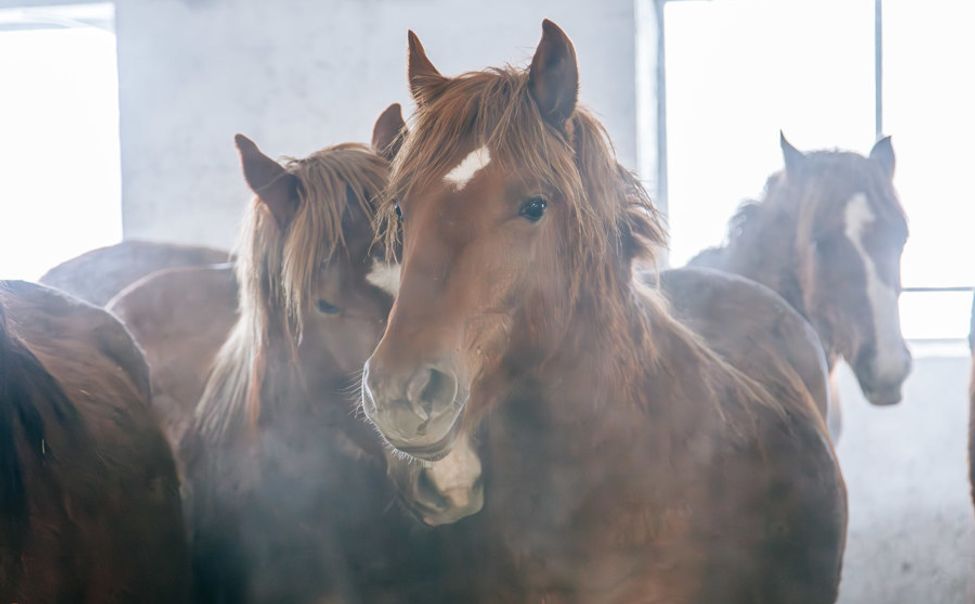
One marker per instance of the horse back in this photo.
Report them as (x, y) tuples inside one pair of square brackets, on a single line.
[(98, 275), (98, 479)]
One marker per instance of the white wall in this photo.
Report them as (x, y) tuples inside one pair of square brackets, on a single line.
[(911, 537), (297, 75)]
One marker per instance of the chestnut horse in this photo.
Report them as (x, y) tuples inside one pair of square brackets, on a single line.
[(89, 498), (287, 488), (828, 236), (626, 461), (749, 325), (97, 276)]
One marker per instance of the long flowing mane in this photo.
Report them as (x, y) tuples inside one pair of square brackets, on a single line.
[(612, 214), (277, 270)]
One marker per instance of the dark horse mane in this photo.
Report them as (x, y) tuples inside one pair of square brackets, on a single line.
[(24, 382)]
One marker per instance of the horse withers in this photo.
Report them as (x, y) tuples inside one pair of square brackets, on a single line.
[(89, 497), (625, 460)]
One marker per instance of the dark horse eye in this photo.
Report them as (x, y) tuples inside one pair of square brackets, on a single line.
[(327, 309), (399, 212), (533, 209)]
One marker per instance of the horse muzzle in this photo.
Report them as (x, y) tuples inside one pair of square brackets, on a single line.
[(881, 377), (417, 411)]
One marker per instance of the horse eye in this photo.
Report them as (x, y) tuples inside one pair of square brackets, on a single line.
[(326, 308), (533, 209), (399, 212)]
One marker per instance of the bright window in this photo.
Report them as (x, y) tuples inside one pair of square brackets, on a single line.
[(739, 70), (59, 141)]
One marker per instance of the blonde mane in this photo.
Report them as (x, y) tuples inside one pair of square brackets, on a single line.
[(277, 270)]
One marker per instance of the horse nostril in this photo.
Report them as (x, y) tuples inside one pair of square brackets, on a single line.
[(429, 390)]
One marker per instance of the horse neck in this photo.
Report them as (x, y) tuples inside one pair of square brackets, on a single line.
[(615, 386), (765, 249)]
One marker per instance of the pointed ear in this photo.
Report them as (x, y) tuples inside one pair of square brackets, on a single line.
[(388, 133), (423, 76), (553, 77), (792, 156), (272, 184), (883, 154)]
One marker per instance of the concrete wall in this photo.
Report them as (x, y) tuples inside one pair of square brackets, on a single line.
[(911, 537), (296, 75)]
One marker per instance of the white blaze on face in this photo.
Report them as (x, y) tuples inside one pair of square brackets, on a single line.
[(385, 276), (890, 360), (456, 475), (463, 172)]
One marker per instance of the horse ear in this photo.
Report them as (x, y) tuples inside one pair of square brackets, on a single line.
[(423, 76), (272, 184), (553, 77), (792, 156), (883, 154), (388, 133)]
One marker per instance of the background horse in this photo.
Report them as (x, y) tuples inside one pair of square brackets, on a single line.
[(97, 276), (828, 236), (89, 498), (626, 461), (287, 486)]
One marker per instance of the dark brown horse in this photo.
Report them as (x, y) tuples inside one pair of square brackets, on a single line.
[(97, 276), (89, 498), (626, 461), (827, 236), (288, 491)]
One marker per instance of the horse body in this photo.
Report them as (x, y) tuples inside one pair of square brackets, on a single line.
[(97, 276), (180, 317), (750, 326), (99, 516), (626, 461), (828, 236)]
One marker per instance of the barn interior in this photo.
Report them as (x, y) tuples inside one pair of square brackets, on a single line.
[(117, 122)]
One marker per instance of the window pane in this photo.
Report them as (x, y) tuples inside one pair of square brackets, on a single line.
[(737, 72), (935, 315), (60, 191), (929, 109)]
